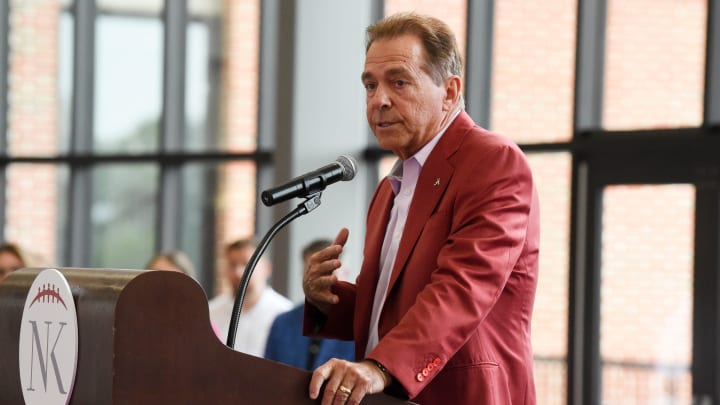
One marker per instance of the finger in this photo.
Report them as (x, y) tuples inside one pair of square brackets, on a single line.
[(318, 378), (341, 398), (358, 393), (321, 276), (332, 394), (330, 253), (348, 391), (319, 266), (320, 289), (342, 237)]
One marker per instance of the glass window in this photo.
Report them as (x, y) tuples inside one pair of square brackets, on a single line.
[(646, 294), (533, 70), (202, 75), (655, 64), (219, 207), (123, 215), (549, 335), (128, 83), (199, 182), (198, 87)]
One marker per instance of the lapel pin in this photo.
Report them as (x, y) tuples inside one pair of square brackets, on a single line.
[(437, 182)]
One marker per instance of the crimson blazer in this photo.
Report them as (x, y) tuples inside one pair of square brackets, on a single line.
[(455, 328)]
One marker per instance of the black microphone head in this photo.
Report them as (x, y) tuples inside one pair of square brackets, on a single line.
[(349, 166)]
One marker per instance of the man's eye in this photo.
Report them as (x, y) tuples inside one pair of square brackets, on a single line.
[(400, 83), (370, 86)]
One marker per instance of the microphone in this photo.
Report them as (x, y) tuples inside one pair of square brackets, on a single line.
[(342, 169)]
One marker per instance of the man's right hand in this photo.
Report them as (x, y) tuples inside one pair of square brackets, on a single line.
[(319, 278)]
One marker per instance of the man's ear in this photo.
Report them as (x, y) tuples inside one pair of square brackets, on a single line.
[(453, 87)]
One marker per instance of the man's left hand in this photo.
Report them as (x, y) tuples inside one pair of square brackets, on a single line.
[(347, 382)]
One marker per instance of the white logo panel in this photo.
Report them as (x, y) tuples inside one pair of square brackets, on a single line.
[(48, 341)]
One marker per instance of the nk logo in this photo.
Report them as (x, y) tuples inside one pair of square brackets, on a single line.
[(48, 341)]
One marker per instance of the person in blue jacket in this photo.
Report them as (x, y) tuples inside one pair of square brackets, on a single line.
[(286, 342)]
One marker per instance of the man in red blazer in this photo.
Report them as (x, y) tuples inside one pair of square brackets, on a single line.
[(440, 312)]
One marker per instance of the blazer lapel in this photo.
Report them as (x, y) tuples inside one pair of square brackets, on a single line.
[(431, 185), (377, 222), (378, 218)]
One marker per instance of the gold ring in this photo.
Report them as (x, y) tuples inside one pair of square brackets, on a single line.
[(345, 390)]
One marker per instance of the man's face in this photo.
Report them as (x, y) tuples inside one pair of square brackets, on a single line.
[(405, 108)]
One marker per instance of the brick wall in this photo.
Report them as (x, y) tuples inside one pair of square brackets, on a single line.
[(236, 199), (646, 298), (655, 63), (33, 127)]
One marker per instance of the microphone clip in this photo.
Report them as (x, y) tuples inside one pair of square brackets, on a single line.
[(312, 202)]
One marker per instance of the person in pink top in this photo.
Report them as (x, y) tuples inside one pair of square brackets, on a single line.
[(440, 311)]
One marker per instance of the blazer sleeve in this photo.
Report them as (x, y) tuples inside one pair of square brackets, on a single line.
[(338, 324), (487, 223)]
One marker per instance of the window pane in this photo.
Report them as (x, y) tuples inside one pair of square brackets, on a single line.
[(33, 78), (655, 64), (202, 75), (36, 204), (218, 207), (128, 83), (199, 182), (552, 176), (646, 294), (533, 70), (124, 199), (198, 133)]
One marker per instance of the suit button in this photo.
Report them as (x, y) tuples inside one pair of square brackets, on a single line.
[(425, 372), (419, 377), (437, 361), (430, 366)]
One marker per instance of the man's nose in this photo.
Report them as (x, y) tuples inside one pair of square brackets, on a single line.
[(380, 99)]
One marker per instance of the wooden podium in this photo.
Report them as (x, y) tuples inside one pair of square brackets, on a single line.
[(145, 338)]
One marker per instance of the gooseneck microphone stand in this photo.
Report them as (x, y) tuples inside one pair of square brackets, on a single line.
[(312, 202)]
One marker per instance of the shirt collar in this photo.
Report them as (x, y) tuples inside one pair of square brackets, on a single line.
[(395, 175)]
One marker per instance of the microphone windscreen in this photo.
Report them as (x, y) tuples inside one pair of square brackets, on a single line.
[(349, 166)]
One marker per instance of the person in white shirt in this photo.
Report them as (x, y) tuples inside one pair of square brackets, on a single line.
[(260, 306)]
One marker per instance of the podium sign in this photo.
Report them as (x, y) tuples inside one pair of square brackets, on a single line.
[(48, 342)]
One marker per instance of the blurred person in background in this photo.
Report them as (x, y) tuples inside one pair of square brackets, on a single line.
[(286, 342), (261, 303), (177, 260), (174, 260), (11, 259)]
